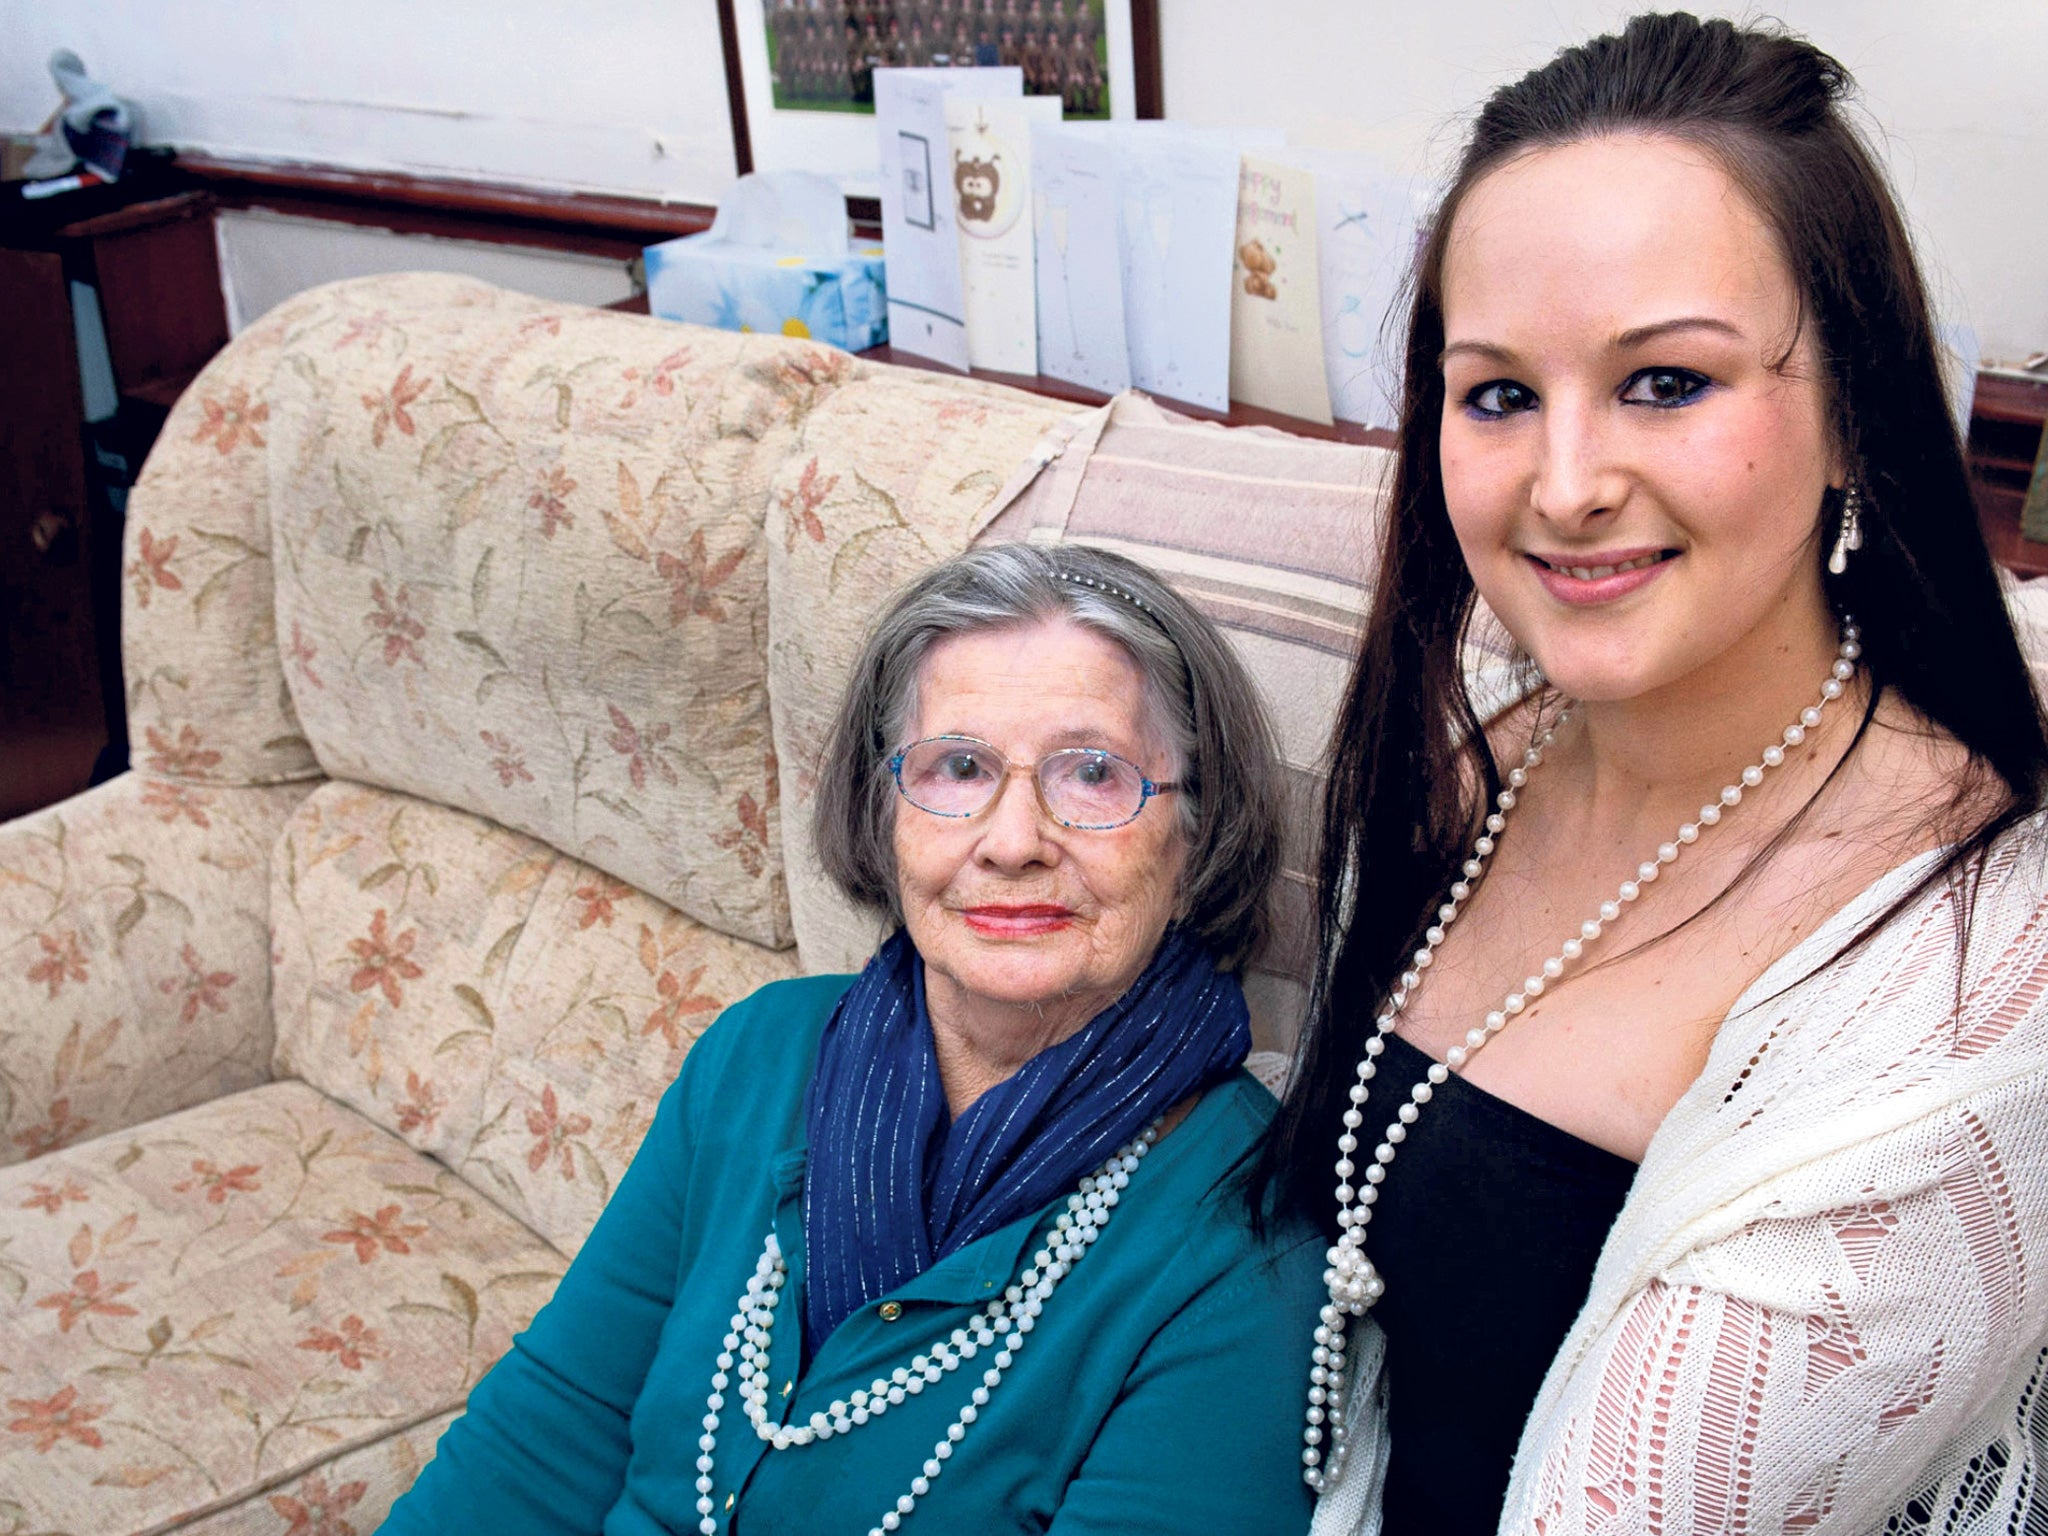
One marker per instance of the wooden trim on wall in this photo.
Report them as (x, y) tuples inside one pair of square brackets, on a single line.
[(1150, 79), (735, 94), (585, 223)]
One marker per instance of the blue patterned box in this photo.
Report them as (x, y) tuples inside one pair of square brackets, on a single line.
[(708, 280)]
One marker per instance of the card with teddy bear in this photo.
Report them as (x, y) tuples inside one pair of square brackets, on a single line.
[(989, 157), (1276, 318)]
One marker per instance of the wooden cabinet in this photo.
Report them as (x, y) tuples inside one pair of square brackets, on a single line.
[(2005, 438), (151, 263)]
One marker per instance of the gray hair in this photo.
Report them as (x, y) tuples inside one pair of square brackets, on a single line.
[(1199, 701)]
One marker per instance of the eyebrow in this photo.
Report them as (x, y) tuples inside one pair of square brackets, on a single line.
[(1072, 736), (1638, 335), (1090, 736), (1621, 341)]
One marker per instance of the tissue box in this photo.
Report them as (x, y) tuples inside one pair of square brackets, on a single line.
[(708, 280)]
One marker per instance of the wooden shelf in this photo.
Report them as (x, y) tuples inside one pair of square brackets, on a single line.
[(590, 223), (2005, 437), (2001, 397)]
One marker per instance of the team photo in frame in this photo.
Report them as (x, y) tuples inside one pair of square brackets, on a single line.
[(800, 73)]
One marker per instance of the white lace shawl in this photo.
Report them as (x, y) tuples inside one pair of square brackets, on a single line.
[(1824, 1306)]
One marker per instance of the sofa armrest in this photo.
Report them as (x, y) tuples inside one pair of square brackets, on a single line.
[(134, 955)]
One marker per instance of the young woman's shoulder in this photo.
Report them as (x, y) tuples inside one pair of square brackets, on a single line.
[(1910, 787)]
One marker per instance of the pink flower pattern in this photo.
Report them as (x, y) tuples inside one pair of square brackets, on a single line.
[(187, 757), (508, 763), (748, 841), (385, 1232), (315, 1510), (175, 802), (86, 1298), (386, 960), (388, 407), (52, 1198), (800, 506), (351, 1344), (421, 1105), (59, 1128), (550, 498), (368, 329), (232, 421), (680, 999), (220, 1182), (640, 746), (694, 580), (658, 380), (302, 653), (394, 619), (597, 898), (201, 987), (60, 1416), (551, 1131), (62, 960), (151, 567)]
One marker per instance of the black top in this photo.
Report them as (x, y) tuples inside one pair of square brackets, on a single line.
[(1487, 1230)]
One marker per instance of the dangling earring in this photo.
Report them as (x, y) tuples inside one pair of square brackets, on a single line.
[(1850, 537)]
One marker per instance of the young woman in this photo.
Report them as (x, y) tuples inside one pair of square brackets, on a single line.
[(1678, 1056)]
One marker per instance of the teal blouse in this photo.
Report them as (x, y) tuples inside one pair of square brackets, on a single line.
[(1161, 1391)]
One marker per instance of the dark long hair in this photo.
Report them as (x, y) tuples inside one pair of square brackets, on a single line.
[(1400, 808)]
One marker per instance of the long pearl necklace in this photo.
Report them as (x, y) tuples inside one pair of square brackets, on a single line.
[(1006, 1321), (1353, 1283)]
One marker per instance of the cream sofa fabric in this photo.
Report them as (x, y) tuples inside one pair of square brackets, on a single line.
[(503, 1008), (520, 570), (227, 1296)]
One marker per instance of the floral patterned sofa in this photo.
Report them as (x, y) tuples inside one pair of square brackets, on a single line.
[(476, 649)]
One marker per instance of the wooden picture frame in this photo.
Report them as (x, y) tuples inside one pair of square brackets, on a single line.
[(842, 145)]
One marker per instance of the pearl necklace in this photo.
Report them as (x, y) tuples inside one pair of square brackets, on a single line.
[(1007, 1319), (1353, 1283)]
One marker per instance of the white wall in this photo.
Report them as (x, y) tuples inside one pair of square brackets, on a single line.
[(629, 95), (615, 95), (266, 258), (1956, 98)]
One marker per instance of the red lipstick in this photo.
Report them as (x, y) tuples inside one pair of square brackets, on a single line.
[(1023, 921)]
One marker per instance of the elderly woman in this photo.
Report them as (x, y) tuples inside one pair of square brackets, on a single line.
[(954, 1242)]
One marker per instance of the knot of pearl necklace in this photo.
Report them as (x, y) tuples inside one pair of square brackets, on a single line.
[(1352, 1281)]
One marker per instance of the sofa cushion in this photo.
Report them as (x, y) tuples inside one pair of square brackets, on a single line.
[(893, 473), (521, 571), (134, 955), (209, 1310), (346, 1495), (506, 1009)]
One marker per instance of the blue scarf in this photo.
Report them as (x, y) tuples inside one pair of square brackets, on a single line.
[(892, 1185)]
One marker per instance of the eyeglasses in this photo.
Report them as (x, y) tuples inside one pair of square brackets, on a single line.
[(1083, 788)]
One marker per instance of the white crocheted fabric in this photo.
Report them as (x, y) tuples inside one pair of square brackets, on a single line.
[(1824, 1306)]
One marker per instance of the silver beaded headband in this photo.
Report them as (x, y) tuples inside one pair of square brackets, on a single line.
[(1112, 590)]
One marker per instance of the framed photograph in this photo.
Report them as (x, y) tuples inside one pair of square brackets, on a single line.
[(800, 73)]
